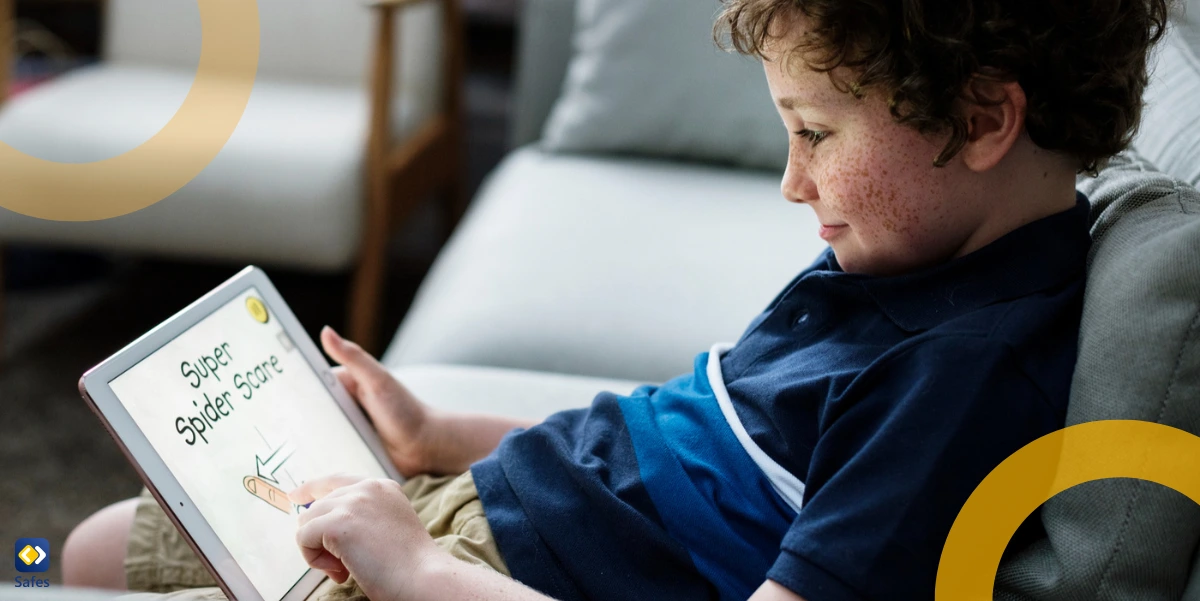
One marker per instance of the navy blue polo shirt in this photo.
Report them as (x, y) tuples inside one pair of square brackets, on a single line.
[(829, 449)]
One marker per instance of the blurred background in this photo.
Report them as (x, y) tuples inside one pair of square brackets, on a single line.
[(67, 307)]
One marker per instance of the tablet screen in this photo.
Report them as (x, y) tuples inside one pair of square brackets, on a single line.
[(240, 418)]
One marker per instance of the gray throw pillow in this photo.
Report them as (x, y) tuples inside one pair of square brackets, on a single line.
[(1139, 359), (646, 78), (1170, 130)]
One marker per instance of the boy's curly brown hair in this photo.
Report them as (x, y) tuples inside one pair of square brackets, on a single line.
[(1081, 63)]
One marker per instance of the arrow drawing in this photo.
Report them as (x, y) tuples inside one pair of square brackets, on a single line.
[(267, 467)]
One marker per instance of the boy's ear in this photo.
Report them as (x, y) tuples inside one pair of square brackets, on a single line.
[(995, 116)]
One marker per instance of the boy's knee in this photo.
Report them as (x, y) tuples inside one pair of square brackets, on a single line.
[(94, 553)]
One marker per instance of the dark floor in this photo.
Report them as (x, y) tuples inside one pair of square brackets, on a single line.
[(67, 312)]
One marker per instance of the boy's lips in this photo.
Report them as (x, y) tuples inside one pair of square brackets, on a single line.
[(829, 231)]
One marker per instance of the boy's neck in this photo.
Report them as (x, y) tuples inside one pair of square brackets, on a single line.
[(1028, 185)]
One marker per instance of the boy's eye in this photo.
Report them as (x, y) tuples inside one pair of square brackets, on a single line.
[(814, 137)]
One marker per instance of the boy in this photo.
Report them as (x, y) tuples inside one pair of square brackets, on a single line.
[(826, 454)]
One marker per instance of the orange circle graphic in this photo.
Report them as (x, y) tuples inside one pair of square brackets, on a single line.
[(166, 162), (1044, 468)]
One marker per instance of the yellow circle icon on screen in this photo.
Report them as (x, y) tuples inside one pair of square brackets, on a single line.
[(1045, 467), (257, 310), (229, 48)]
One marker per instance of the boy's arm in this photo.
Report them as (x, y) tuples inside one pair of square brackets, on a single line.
[(773, 591), (450, 578), (459, 439), (367, 528), (418, 438)]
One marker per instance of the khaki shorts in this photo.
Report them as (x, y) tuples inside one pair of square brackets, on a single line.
[(159, 560)]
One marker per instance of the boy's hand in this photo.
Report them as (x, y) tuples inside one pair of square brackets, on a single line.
[(365, 528), (403, 421)]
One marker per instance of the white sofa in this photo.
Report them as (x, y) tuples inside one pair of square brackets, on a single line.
[(600, 266)]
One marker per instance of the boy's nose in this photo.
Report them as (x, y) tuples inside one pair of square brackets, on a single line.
[(797, 186)]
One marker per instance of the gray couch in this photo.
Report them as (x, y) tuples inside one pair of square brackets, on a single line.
[(577, 272)]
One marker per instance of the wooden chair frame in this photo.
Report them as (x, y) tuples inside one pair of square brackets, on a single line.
[(8, 42), (399, 174)]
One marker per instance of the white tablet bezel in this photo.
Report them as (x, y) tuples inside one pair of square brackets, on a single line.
[(94, 386)]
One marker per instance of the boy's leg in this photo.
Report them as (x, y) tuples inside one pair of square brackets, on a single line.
[(450, 509), (158, 558), (94, 554), (160, 562)]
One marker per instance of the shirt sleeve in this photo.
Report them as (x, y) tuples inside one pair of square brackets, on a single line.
[(899, 453)]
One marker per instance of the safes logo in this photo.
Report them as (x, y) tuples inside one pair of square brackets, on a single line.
[(31, 555)]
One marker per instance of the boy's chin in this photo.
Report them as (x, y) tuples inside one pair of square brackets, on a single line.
[(854, 260), (849, 260)]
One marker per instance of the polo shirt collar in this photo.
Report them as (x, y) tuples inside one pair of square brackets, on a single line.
[(1040, 255)]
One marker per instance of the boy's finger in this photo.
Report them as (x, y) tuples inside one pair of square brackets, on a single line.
[(322, 560), (311, 538), (347, 380), (338, 576), (315, 489), (312, 547), (349, 354), (331, 565)]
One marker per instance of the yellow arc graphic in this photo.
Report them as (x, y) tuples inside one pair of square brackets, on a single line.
[(1044, 468), (173, 157)]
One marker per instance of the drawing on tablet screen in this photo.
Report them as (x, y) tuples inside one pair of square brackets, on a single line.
[(265, 484), (273, 496)]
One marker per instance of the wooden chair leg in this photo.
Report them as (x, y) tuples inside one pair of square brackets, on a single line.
[(365, 301), (3, 327), (453, 205), (455, 195), (367, 288)]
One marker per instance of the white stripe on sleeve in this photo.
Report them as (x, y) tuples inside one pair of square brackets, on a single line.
[(785, 483)]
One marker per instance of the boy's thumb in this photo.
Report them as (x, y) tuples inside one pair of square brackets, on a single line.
[(345, 352)]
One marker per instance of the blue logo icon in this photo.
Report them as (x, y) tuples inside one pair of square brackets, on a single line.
[(31, 555)]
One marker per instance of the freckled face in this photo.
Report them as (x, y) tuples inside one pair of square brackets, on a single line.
[(884, 207)]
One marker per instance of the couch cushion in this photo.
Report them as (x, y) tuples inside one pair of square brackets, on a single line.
[(284, 190), (509, 392), (606, 267), (647, 78), (1139, 358)]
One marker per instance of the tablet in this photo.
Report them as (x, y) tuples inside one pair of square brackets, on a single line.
[(224, 408)]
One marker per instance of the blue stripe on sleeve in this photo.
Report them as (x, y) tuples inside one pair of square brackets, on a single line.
[(710, 495)]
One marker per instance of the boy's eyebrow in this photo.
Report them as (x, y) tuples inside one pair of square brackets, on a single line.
[(791, 103), (788, 103)]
